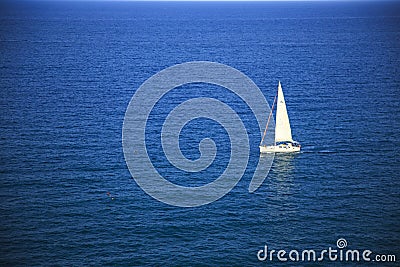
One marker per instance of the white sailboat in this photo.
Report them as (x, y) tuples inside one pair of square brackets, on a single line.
[(283, 132)]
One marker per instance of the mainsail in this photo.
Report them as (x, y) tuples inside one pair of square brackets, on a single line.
[(282, 128)]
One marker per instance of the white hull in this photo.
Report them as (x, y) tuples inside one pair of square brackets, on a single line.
[(287, 148)]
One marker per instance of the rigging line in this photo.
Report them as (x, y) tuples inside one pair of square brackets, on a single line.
[(269, 118)]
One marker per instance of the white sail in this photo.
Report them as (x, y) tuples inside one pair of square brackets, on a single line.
[(282, 128)]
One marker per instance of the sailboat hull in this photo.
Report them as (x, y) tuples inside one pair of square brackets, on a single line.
[(282, 148)]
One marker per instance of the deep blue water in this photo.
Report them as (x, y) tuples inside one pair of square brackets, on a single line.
[(69, 70)]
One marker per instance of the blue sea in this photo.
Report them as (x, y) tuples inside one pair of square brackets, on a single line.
[(68, 71)]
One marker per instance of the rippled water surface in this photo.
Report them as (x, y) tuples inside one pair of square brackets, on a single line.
[(69, 70)]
